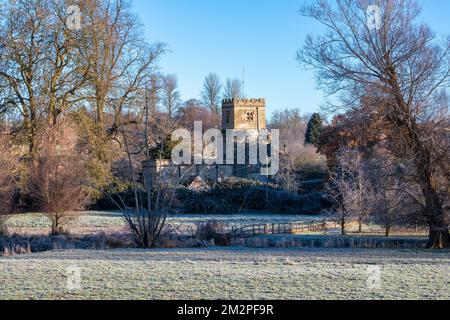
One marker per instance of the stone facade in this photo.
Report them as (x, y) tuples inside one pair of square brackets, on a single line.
[(165, 170), (244, 114)]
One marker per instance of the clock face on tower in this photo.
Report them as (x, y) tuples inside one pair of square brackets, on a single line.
[(250, 116), (243, 114)]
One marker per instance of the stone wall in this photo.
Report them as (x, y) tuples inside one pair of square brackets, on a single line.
[(166, 171)]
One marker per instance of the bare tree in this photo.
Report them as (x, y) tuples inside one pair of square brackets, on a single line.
[(24, 48), (121, 72), (292, 128), (233, 89), (211, 93), (295, 154), (153, 95), (288, 118), (57, 183), (121, 59), (7, 182), (349, 190), (404, 70), (192, 111), (146, 217), (170, 95), (43, 64), (48, 69), (391, 200), (286, 176)]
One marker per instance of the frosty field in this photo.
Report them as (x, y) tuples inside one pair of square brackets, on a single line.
[(100, 221), (92, 222), (217, 273), (235, 273)]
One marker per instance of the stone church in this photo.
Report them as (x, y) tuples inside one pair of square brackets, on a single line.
[(238, 115)]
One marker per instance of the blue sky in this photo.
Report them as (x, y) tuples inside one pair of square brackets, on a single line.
[(262, 36)]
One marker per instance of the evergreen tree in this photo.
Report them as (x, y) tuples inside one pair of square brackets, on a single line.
[(314, 129)]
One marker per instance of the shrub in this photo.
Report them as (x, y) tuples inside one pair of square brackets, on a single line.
[(57, 176), (235, 195), (16, 244), (213, 230)]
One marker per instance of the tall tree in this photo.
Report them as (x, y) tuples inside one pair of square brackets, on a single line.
[(287, 119), (404, 70), (211, 92), (7, 183), (121, 59), (153, 95), (314, 129), (40, 64), (350, 190), (392, 206), (121, 66), (57, 176), (47, 69), (192, 111), (170, 95), (233, 89)]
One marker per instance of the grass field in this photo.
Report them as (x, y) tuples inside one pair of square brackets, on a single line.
[(98, 221), (92, 222), (235, 273)]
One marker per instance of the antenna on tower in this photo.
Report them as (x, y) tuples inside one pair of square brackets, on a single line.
[(243, 82)]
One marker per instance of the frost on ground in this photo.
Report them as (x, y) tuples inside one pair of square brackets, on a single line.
[(97, 221), (235, 273)]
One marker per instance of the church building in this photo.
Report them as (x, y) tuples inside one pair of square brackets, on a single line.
[(246, 118)]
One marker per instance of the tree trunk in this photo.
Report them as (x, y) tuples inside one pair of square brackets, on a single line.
[(31, 129), (439, 236), (343, 226), (3, 227), (100, 115), (55, 226), (388, 231)]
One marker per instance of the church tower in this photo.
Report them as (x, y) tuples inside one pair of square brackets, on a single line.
[(248, 116), (243, 114)]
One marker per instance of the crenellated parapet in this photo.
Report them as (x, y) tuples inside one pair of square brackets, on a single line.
[(243, 102)]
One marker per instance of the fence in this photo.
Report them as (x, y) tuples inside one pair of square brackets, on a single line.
[(294, 227)]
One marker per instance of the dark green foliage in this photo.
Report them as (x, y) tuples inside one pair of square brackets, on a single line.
[(127, 196), (313, 172), (312, 178), (163, 149), (238, 195), (314, 129), (105, 203)]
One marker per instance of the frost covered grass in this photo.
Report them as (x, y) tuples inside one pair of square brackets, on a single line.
[(111, 222), (235, 273)]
